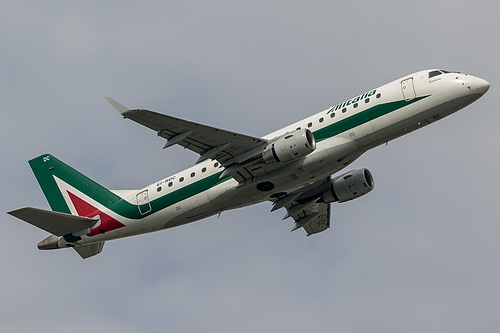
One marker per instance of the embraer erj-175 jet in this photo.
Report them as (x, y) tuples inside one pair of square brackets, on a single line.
[(291, 167)]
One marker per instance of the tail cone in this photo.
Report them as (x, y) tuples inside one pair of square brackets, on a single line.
[(49, 243)]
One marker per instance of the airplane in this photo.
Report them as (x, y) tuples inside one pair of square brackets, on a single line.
[(292, 167)]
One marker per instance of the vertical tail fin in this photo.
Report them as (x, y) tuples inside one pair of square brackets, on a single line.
[(58, 180)]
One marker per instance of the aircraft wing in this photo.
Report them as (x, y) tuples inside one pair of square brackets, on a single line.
[(209, 142)]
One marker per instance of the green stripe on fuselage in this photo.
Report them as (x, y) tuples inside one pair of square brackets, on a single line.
[(188, 191), (126, 209), (131, 211), (361, 118)]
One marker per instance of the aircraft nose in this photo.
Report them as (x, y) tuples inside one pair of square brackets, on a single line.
[(481, 85)]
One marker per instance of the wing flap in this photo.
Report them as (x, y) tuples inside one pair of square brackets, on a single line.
[(313, 218), (321, 221), (306, 208), (58, 224)]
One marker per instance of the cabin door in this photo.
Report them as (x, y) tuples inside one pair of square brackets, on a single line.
[(408, 89), (143, 202)]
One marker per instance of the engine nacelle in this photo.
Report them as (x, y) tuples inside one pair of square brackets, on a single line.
[(348, 186), (289, 147)]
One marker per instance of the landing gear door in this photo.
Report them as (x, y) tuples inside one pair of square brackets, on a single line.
[(408, 89), (143, 202)]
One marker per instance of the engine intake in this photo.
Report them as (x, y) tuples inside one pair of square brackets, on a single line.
[(348, 186), (289, 147)]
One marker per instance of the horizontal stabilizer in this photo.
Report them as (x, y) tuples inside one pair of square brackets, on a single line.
[(58, 224), (89, 250)]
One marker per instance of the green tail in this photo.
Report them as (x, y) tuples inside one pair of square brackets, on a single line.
[(46, 167)]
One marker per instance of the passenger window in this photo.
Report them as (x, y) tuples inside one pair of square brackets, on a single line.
[(170, 184), (204, 170), (367, 100), (193, 174), (158, 189), (355, 105), (309, 125), (321, 119), (379, 95), (332, 114), (216, 165), (181, 179), (344, 110)]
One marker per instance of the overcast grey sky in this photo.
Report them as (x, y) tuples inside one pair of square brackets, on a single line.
[(418, 254)]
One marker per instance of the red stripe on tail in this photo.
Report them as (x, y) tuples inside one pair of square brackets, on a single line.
[(85, 209)]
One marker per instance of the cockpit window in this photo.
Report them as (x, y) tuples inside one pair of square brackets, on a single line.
[(434, 73)]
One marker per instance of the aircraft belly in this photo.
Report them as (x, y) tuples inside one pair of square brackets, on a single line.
[(192, 209)]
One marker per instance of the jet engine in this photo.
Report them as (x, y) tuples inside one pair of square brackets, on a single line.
[(348, 186), (289, 147)]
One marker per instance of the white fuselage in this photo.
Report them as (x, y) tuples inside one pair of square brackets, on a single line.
[(395, 109)]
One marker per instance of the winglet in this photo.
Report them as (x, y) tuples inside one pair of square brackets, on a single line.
[(121, 108)]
